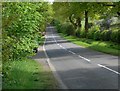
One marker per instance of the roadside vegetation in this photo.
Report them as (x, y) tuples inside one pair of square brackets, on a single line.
[(23, 27), (93, 25), (102, 46), (27, 74)]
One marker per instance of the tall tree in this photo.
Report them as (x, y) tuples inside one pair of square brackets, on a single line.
[(77, 11)]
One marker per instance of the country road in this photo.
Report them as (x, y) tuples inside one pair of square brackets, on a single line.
[(80, 68)]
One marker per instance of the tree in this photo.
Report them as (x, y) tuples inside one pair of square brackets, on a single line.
[(76, 11), (22, 24)]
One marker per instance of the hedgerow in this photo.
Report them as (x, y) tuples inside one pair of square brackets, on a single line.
[(93, 33), (22, 25)]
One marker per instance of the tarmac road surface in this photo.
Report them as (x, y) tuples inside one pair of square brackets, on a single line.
[(78, 67)]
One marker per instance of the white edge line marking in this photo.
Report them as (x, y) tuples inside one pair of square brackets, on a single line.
[(108, 69), (62, 85)]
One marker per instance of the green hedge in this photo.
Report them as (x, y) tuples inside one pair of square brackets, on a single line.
[(82, 34), (105, 35), (77, 32), (93, 33), (69, 29), (97, 35), (65, 28), (115, 36)]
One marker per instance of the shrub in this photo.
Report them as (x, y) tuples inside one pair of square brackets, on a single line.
[(82, 34), (67, 28), (115, 36), (70, 30), (91, 32), (108, 35), (58, 26), (63, 28), (97, 35), (77, 32), (105, 35), (90, 25)]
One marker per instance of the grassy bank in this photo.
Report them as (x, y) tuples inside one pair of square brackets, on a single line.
[(102, 46), (27, 74)]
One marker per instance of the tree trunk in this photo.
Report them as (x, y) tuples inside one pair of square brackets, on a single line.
[(86, 21), (79, 22), (74, 24)]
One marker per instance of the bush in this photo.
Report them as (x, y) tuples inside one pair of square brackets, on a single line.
[(69, 29), (63, 28), (57, 24), (90, 25), (82, 34), (108, 35), (66, 28), (115, 36), (91, 32), (59, 28), (105, 35), (77, 32), (97, 35)]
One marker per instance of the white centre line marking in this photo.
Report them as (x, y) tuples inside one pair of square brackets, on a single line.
[(72, 52), (62, 85), (60, 46), (84, 57), (108, 69), (63, 47)]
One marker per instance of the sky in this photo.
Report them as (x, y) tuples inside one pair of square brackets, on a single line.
[(51, 1)]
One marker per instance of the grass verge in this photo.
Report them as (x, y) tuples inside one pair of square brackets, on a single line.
[(102, 46), (27, 74)]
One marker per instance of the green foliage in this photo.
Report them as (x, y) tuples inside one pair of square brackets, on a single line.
[(58, 25), (77, 32), (115, 36), (22, 24), (105, 35), (69, 29), (26, 74), (91, 32), (97, 35), (65, 28), (73, 11), (102, 46), (82, 34)]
